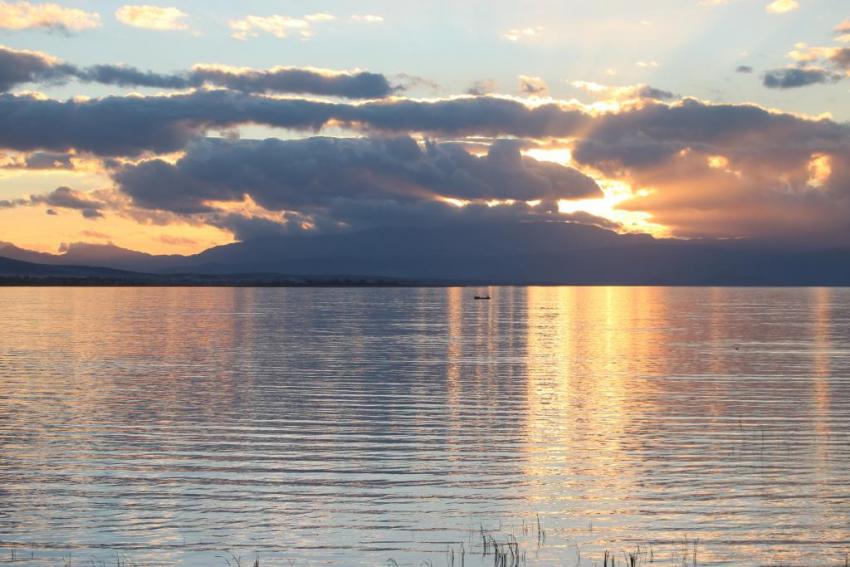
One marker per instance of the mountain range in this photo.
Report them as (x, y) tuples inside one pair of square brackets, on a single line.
[(507, 253)]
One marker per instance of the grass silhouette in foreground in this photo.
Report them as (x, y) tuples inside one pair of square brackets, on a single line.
[(484, 547)]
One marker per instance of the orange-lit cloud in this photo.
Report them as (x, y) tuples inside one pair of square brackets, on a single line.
[(25, 15), (152, 17), (277, 25), (782, 6), (521, 34)]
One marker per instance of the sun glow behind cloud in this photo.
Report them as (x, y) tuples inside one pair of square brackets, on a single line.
[(607, 207), (561, 156)]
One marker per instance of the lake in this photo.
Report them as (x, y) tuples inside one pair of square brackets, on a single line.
[(178, 426)]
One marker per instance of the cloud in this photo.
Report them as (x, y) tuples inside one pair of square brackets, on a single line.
[(532, 86), (482, 87), (126, 76), (840, 57), (334, 182), (651, 135), (815, 65), (25, 15), (842, 30), (95, 234), (807, 73), (117, 126), (782, 6), (90, 207), (836, 56), (409, 82), (520, 34), (91, 214), (790, 78), (44, 161), (152, 17), (699, 168), (367, 19), (67, 198), (276, 25), (360, 84), (727, 170), (173, 240), (622, 94), (746, 69), (19, 66), (320, 17)]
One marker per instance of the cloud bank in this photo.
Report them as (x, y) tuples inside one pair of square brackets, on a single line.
[(24, 67), (337, 182)]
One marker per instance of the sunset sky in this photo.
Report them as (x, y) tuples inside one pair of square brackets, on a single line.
[(177, 127)]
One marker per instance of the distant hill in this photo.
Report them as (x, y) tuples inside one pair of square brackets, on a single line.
[(539, 253), (17, 272), (509, 253), (10, 267), (88, 254)]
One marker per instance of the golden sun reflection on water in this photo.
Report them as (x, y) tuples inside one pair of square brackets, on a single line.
[(585, 386)]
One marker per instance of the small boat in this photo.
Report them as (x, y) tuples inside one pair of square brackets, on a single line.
[(486, 297)]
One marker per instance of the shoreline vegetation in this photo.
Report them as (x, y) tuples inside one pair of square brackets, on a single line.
[(482, 548), (192, 280), (18, 273)]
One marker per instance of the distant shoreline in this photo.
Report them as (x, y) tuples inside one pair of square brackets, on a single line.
[(228, 282), (216, 282)]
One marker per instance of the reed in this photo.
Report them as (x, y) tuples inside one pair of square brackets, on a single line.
[(487, 546)]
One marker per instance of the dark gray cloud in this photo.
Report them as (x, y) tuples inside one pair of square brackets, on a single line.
[(22, 67), (90, 206), (298, 81), (111, 126), (482, 87), (468, 116), (335, 180), (40, 161), (532, 86), (791, 78), (19, 67), (649, 136), (48, 160), (646, 134), (116, 126), (648, 92), (91, 213), (67, 198), (744, 69), (126, 76), (361, 85)]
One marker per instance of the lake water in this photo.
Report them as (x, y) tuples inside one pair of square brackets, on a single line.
[(358, 426)]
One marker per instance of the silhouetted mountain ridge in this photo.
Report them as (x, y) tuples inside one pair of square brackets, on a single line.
[(508, 253)]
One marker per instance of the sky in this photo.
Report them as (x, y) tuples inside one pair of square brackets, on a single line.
[(175, 127)]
